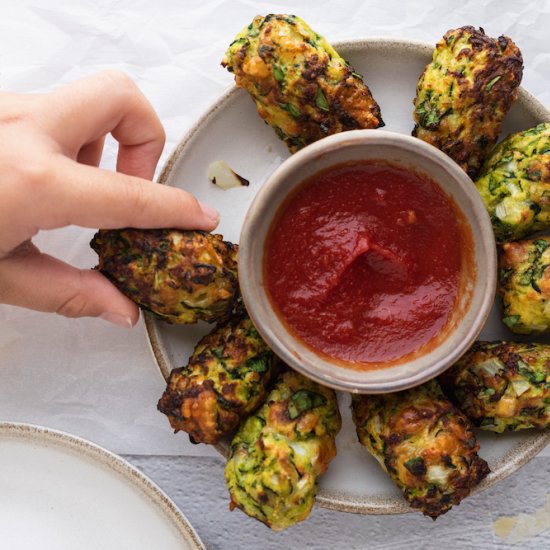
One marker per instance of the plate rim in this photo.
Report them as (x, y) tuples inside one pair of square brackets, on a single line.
[(79, 446), (514, 459)]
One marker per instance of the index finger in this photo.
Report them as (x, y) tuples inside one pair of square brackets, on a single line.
[(93, 197), (108, 102)]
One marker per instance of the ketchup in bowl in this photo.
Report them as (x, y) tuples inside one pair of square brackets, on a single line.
[(363, 262)]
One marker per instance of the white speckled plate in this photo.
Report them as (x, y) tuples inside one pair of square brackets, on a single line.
[(61, 492), (232, 131)]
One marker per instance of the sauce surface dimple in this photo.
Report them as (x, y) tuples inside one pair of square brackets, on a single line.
[(363, 262)]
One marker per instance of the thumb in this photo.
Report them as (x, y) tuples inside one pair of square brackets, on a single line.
[(37, 281)]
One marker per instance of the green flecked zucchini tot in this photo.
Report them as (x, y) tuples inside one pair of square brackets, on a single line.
[(301, 86), (181, 277), (514, 184), (464, 94), (281, 450), (224, 380), (424, 443), (502, 385), (524, 285)]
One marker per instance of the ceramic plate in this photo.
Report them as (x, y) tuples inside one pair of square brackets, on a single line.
[(232, 131), (62, 492)]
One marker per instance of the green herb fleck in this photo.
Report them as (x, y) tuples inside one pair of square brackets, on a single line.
[(511, 320), (536, 130), (492, 82), (416, 466), (302, 401), (258, 363), (217, 352), (539, 274), (241, 40), (541, 245), (321, 100), (280, 133), (525, 279), (494, 185), (432, 118), (533, 206), (291, 109), (536, 377), (534, 175), (487, 422), (279, 74)]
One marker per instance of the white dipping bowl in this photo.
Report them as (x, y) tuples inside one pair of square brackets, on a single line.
[(477, 279)]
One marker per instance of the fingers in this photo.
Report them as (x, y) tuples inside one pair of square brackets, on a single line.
[(37, 281), (90, 153), (100, 198), (111, 102), (42, 137), (108, 102)]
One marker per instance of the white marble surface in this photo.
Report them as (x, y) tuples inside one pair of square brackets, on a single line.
[(75, 375)]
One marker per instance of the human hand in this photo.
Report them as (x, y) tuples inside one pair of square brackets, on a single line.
[(50, 148)]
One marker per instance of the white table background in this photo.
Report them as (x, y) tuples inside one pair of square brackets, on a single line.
[(99, 381)]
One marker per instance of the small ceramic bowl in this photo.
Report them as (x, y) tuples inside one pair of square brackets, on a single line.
[(476, 288)]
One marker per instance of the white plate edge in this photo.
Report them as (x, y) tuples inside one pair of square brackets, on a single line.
[(115, 463), (500, 469)]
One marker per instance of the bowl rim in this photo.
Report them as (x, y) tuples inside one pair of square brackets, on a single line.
[(289, 347)]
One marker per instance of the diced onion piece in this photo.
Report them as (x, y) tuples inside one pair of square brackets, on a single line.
[(515, 190), (492, 366), (535, 327), (511, 211), (221, 174), (299, 449), (520, 386), (438, 474)]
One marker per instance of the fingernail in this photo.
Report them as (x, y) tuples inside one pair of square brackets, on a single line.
[(210, 211), (117, 319)]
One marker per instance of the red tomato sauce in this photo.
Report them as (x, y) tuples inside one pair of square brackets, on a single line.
[(363, 262)]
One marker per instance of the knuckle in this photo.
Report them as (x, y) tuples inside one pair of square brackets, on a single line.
[(75, 303), (17, 117), (37, 173), (186, 199), (16, 109), (120, 83), (117, 78), (74, 306), (161, 133)]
